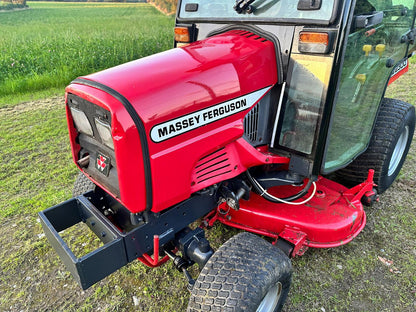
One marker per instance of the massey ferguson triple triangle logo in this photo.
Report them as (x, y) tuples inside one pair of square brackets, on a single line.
[(103, 164)]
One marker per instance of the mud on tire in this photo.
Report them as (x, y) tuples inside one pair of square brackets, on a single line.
[(243, 273), (82, 184), (388, 147)]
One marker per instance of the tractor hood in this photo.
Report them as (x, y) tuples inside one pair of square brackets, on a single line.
[(185, 103)]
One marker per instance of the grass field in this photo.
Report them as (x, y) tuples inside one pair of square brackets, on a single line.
[(36, 172), (52, 43)]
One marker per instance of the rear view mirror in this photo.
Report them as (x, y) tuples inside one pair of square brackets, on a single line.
[(368, 20)]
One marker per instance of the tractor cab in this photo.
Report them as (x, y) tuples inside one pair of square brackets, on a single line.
[(335, 59), (268, 116)]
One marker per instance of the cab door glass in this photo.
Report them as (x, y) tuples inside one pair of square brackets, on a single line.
[(412, 44), (375, 46)]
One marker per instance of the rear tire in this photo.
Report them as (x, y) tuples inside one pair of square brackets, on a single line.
[(245, 274), (388, 147), (82, 185)]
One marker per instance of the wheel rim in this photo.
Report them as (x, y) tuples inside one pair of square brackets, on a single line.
[(271, 299), (398, 152)]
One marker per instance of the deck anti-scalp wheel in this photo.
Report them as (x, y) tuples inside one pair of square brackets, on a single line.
[(389, 144), (245, 274)]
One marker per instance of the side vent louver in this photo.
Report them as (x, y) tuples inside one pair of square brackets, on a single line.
[(257, 122), (212, 166), (247, 34), (251, 123)]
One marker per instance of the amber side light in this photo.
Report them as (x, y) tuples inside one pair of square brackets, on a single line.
[(313, 42), (182, 34), (314, 37)]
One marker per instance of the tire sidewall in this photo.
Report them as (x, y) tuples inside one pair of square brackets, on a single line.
[(285, 280), (386, 180)]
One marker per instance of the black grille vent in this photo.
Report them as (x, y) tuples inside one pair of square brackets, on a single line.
[(251, 124), (257, 122)]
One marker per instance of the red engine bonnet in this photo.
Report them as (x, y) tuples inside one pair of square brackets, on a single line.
[(176, 85)]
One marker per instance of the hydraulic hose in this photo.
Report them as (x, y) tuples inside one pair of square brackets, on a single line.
[(262, 192)]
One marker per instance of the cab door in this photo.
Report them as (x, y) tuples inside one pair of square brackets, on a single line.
[(412, 35), (376, 47)]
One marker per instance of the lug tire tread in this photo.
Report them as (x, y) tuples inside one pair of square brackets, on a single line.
[(238, 274)]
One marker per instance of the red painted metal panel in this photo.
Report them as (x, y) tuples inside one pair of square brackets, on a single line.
[(333, 217), (126, 146), (173, 84)]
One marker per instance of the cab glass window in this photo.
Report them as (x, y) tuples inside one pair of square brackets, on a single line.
[(264, 9), (375, 47)]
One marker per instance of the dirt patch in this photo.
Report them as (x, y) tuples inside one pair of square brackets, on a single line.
[(10, 111), (12, 10)]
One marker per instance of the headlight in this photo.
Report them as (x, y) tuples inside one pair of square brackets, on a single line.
[(81, 121), (104, 130)]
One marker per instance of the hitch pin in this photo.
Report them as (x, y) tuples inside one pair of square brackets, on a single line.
[(84, 162), (181, 265)]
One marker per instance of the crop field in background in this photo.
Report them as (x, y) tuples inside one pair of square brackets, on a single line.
[(60, 41), (52, 43)]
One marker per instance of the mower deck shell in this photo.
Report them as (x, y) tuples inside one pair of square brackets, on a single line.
[(333, 217)]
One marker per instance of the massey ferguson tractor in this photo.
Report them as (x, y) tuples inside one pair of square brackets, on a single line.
[(268, 116)]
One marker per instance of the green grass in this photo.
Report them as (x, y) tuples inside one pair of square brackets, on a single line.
[(36, 172), (16, 98), (50, 44), (34, 169)]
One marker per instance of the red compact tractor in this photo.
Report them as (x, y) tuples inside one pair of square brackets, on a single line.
[(268, 116)]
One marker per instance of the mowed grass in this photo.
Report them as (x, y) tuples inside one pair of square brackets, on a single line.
[(50, 44)]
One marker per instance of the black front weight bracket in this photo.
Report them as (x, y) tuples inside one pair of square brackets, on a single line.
[(119, 247)]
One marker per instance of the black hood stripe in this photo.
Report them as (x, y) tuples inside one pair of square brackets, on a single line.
[(140, 128)]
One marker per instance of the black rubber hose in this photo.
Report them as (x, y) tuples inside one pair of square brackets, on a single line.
[(269, 198)]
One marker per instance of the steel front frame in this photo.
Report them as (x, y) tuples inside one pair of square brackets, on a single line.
[(119, 247)]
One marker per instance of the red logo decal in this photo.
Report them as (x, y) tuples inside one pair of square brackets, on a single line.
[(101, 162)]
